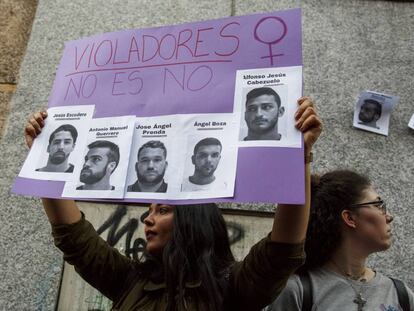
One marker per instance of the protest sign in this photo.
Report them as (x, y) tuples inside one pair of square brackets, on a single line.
[(187, 69)]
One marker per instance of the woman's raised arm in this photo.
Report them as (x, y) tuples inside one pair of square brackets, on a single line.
[(58, 211), (291, 221)]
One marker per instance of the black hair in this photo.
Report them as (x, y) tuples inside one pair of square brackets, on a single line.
[(113, 154), (378, 106), (331, 193), (207, 142), (65, 128), (199, 251), (153, 144), (263, 91)]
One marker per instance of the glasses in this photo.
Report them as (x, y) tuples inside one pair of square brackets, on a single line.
[(379, 204)]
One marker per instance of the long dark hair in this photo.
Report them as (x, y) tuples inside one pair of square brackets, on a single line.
[(331, 193), (199, 251)]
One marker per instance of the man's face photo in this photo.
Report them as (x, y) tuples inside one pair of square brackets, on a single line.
[(206, 159), (60, 147), (151, 165), (262, 113), (96, 165), (370, 111)]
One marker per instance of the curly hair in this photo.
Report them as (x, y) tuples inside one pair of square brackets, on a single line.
[(331, 193)]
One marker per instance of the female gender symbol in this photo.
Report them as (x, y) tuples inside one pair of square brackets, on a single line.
[(270, 43)]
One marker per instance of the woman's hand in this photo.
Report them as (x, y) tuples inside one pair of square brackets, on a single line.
[(308, 122), (34, 127)]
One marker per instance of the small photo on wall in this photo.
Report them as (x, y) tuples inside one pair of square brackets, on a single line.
[(373, 110), (411, 123)]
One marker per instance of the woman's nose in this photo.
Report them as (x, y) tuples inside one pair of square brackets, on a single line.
[(149, 220)]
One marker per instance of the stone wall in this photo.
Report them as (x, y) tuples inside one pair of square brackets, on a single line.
[(348, 46)]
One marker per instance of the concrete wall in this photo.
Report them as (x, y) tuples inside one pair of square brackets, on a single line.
[(348, 46), (16, 17)]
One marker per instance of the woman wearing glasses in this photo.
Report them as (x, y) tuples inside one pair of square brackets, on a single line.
[(348, 223)]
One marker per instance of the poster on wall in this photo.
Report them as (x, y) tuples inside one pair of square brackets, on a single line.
[(373, 111), (411, 122), (195, 70)]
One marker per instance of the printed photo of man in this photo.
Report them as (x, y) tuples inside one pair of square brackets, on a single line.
[(262, 112), (61, 143), (370, 113), (100, 162), (206, 158), (150, 168)]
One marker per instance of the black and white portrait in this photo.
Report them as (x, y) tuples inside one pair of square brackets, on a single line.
[(266, 101), (62, 142), (370, 112), (373, 111), (150, 167), (103, 164), (100, 162), (263, 108), (205, 159)]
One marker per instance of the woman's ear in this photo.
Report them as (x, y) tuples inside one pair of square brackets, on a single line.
[(348, 218)]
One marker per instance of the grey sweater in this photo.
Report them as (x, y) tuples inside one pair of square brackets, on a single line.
[(332, 291)]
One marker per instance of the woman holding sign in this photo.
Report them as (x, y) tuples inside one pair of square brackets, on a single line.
[(188, 262)]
